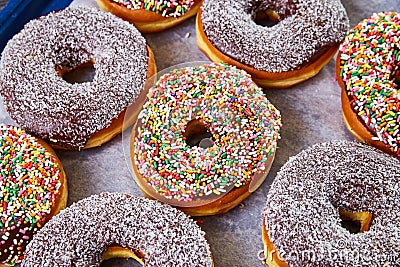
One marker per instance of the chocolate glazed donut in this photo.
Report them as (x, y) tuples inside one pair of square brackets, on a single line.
[(115, 225), (305, 36), (334, 204), (81, 114)]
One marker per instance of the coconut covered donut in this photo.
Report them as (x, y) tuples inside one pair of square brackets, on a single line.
[(81, 114), (152, 15), (205, 139), (368, 71), (115, 225), (33, 189), (305, 38), (318, 190)]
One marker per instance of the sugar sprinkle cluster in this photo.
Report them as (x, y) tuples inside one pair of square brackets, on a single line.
[(243, 123), (370, 64), (167, 8), (29, 183)]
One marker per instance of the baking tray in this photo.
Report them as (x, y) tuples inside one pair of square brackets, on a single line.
[(16, 13)]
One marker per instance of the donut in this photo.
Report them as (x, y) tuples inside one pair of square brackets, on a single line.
[(33, 188), (205, 139), (368, 72), (317, 192), (305, 38), (152, 16), (81, 114), (116, 225)]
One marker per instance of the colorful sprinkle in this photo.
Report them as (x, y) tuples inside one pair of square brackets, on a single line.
[(167, 8), (369, 68), (29, 183), (243, 124)]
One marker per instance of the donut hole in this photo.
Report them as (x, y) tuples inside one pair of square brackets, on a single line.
[(197, 134), (355, 222), (119, 261), (266, 18), (82, 73), (115, 255)]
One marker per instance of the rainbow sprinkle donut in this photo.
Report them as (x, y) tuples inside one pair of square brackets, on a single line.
[(368, 70), (152, 15), (33, 189), (204, 132), (165, 8)]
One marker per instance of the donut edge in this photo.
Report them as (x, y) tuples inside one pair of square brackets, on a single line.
[(147, 21), (352, 121), (263, 78)]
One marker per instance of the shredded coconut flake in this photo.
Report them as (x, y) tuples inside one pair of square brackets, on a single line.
[(301, 213), (80, 234), (306, 26), (39, 100)]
